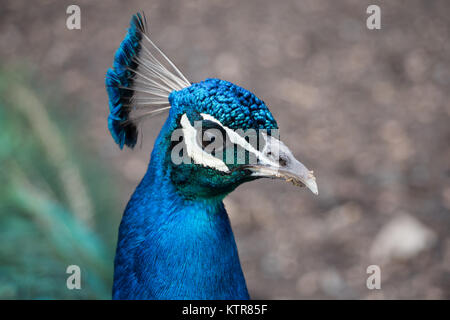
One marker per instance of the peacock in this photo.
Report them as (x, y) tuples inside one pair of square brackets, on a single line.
[(175, 238)]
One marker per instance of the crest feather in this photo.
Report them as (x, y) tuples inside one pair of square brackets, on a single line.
[(139, 84)]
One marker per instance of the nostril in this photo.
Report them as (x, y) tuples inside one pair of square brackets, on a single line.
[(282, 162)]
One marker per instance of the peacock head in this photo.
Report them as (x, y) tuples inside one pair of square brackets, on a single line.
[(217, 134)]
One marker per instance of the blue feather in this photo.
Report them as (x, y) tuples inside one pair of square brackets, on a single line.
[(173, 248), (175, 238), (234, 106), (119, 81)]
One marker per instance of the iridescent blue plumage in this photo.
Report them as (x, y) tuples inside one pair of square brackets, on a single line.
[(175, 239), (233, 106), (118, 82), (171, 247)]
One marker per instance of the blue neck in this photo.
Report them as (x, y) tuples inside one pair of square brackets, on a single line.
[(173, 248)]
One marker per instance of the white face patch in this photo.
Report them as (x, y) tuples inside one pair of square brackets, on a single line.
[(195, 152), (200, 156)]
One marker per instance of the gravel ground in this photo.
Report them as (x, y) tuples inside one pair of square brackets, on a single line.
[(367, 110)]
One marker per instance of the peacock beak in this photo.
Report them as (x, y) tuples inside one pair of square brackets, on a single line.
[(277, 161)]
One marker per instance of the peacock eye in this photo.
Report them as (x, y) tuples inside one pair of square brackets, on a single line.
[(212, 137)]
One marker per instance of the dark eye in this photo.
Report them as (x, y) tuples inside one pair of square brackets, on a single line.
[(212, 137)]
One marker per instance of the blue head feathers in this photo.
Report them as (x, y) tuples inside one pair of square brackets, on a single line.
[(231, 105)]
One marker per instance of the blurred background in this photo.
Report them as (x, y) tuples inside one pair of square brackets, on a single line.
[(367, 110)]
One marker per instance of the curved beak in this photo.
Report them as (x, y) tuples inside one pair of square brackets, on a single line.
[(277, 161)]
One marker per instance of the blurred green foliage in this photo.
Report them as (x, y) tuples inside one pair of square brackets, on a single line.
[(55, 200)]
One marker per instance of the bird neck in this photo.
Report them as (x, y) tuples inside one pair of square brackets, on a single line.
[(175, 248)]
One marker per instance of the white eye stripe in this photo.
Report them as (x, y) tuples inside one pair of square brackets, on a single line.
[(237, 139), (199, 156), (195, 152)]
